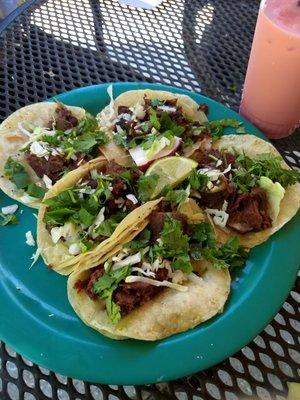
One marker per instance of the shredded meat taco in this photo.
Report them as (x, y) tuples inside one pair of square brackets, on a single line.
[(40, 143), (145, 125), (82, 212), (245, 187), (170, 277)]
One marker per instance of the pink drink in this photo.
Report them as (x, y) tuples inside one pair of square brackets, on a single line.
[(271, 96)]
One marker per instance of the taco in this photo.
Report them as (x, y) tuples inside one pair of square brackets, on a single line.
[(245, 187), (40, 143), (145, 125), (80, 214), (168, 279)]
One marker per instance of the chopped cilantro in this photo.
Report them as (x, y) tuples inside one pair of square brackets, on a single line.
[(175, 196), (183, 263), (156, 102), (188, 142), (17, 173), (20, 177), (197, 180), (6, 219), (104, 288), (140, 242), (146, 186), (175, 242), (34, 190), (85, 217), (107, 227), (217, 127), (263, 165), (230, 255), (120, 139), (154, 119)]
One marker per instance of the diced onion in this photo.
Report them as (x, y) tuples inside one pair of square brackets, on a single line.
[(74, 249), (220, 217), (9, 209), (29, 239), (47, 181), (132, 198)]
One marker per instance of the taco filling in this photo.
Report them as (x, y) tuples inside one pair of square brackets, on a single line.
[(240, 192), (63, 145), (164, 255), (87, 213), (155, 128)]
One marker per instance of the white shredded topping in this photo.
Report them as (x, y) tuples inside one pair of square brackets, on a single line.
[(74, 249), (131, 279), (144, 272), (209, 185), (125, 116), (9, 209), (35, 257), (39, 149), (47, 181), (100, 218), (219, 162), (120, 256), (68, 231), (167, 109), (220, 217), (111, 104), (227, 169), (27, 199), (130, 260), (132, 198), (29, 239), (138, 110), (224, 206)]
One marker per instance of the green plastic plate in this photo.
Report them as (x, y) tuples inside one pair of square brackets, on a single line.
[(38, 322)]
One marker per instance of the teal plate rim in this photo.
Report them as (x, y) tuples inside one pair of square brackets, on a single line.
[(37, 321)]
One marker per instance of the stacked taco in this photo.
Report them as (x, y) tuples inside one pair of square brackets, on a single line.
[(147, 207)]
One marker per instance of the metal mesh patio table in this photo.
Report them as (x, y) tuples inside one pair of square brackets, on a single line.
[(52, 46)]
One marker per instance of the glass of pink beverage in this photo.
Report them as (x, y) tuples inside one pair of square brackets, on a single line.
[(271, 95)]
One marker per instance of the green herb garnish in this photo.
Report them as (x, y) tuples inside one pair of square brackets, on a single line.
[(8, 219), (104, 288), (146, 186)]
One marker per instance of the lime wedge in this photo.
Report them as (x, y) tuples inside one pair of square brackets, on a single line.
[(171, 170)]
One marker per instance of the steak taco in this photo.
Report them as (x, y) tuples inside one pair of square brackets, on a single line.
[(40, 143), (80, 215), (169, 278), (245, 187), (145, 125)]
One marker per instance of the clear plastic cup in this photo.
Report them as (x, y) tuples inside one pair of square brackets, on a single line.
[(271, 95)]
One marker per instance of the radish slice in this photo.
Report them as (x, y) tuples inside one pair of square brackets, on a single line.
[(139, 155)]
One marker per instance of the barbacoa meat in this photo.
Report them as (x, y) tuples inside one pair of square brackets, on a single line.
[(132, 295), (206, 158), (88, 284), (215, 198), (113, 168), (54, 166), (249, 212), (64, 119), (51, 167)]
